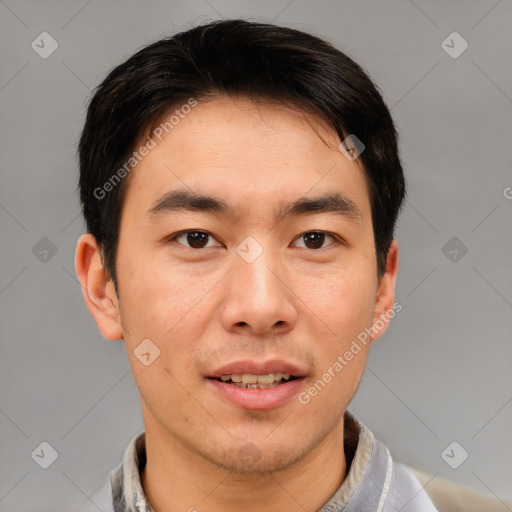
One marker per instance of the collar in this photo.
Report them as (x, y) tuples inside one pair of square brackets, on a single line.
[(368, 463)]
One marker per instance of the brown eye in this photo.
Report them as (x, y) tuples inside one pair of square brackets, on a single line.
[(193, 239), (314, 239)]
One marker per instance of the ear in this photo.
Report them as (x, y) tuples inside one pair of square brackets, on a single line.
[(385, 308), (98, 289)]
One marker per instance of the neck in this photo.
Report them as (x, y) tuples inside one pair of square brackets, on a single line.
[(177, 478)]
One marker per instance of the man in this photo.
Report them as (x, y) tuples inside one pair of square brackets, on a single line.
[(241, 183)]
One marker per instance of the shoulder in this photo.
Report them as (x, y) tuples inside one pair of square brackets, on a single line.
[(450, 496), (398, 488), (406, 493)]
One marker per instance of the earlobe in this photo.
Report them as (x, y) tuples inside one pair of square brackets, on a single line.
[(97, 288), (385, 303)]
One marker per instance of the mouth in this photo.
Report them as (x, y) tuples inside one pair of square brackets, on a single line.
[(257, 385), (251, 381)]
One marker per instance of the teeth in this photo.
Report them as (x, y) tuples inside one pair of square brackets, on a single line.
[(255, 386), (250, 380), (267, 379)]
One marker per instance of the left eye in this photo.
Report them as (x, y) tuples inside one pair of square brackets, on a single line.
[(199, 239), (314, 238)]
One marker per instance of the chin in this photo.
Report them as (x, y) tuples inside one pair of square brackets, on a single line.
[(260, 456), (249, 460)]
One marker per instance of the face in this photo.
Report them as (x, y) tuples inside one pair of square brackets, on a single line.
[(249, 283)]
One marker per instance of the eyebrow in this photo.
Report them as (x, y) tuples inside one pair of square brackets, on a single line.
[(185, 200)]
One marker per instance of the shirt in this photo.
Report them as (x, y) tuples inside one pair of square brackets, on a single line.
[(373, 482)]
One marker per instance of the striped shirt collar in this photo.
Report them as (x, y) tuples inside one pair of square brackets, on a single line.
[(366, 457)]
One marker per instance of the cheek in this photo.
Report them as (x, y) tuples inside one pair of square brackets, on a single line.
[(155, 297), (170, 309), (342, 312), (343, 302)]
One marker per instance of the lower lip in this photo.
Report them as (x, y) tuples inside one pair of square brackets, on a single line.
[(257, 399)]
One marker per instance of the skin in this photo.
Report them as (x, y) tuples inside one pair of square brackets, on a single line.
[(205, 307)]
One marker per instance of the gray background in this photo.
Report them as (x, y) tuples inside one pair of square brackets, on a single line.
[(442, 371)]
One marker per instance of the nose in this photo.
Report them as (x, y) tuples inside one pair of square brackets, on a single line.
[(260, 298)]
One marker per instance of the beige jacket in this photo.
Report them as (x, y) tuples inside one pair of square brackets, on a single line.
[(449, 496), (374, 483)]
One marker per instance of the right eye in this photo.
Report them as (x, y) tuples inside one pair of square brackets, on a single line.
[(197, 239)]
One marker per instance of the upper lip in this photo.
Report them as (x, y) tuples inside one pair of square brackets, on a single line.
[(257, 368)]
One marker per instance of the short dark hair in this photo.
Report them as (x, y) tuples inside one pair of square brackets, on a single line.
[(262, 62)]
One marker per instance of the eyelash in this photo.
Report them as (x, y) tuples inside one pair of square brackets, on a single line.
[(173, 238)]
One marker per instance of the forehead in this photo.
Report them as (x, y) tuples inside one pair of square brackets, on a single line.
[(247, 153)]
